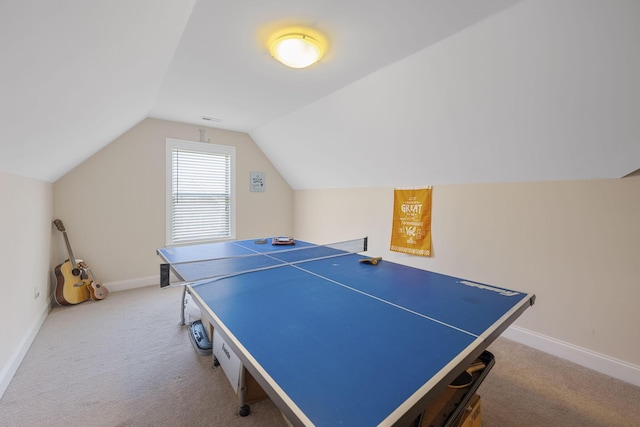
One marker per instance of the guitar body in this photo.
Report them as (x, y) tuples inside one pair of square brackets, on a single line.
[(72, 288)]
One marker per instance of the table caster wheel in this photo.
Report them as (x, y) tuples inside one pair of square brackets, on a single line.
[(215, 362), (244, 410)]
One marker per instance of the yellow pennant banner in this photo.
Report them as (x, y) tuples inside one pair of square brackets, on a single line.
[(411, 233)]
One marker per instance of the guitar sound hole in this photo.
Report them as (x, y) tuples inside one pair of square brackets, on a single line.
[(75, 271)]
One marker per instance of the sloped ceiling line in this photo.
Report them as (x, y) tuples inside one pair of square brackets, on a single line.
[(411, 92)]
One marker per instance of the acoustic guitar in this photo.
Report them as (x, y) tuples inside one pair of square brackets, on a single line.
[(74, 281)]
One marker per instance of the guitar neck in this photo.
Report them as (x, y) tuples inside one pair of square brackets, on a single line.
[(71, 257)]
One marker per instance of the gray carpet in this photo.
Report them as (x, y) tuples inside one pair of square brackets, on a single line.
[(126, 361)]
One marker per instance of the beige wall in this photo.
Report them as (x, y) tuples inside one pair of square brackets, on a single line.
[(576, 245), (113, 204), (25, 249)]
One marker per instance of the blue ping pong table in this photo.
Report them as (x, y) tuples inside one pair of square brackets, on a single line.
[(335, 341)]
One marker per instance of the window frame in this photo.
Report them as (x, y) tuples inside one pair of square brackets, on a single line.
[(201, 147)]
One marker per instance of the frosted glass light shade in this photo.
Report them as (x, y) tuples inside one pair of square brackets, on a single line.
[(296, 50)]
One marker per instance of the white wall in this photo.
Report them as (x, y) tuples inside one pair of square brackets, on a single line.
[(575, 244), (546, 90), (25, 249), (113, 204)]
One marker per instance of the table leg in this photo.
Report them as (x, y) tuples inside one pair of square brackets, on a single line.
[(184, 295), (244, 408)]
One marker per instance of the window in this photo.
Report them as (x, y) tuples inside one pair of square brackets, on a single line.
[(200, 191)]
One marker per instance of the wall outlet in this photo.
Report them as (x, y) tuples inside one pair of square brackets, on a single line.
[(36, 292)]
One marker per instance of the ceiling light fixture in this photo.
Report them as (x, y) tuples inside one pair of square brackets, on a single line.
[(297, 50)]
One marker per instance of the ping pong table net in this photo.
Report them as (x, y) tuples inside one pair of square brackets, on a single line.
[(220, 267)]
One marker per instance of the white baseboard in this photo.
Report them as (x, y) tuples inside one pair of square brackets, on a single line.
[(607, 365), (123, 285), (10, 369)]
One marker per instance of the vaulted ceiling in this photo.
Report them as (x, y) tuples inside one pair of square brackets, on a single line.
[(410, 92)]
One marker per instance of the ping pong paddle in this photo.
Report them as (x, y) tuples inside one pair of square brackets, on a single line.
[(373, 260), (466, 377)]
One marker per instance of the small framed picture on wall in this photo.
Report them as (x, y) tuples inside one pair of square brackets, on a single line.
[(257, 181)]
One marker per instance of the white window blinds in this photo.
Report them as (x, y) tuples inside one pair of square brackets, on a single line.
[(201, 194)]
